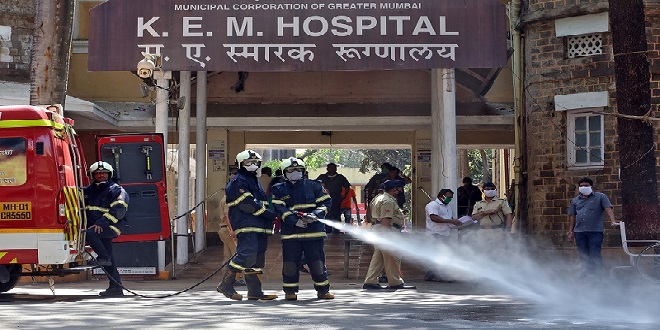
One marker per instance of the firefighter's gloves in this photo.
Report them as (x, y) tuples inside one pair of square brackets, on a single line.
[(309, 218), (301, 223)]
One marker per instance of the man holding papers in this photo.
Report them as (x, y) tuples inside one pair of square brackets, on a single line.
[(439, 221)]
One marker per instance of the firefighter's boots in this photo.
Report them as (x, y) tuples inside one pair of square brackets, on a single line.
[(226, 287)]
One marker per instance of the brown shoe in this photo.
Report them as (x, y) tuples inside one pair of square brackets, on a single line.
[(290, 296), (326, 295), (262, 297)]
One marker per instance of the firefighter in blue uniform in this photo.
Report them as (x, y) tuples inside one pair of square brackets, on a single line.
[(300, 203), (106, 204), (251, 221)]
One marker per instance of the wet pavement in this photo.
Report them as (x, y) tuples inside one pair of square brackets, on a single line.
[(464, 305)]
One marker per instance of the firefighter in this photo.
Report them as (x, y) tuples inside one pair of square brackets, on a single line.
[(300, 203), (252, 221), (106, 204)]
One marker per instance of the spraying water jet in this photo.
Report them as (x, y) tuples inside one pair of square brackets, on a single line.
[(527, 270)]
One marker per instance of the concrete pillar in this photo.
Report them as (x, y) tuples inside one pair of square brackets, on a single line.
[(183, 176), (443, 132), (200, 161), (218, 161), (463, 165), (162, 109)]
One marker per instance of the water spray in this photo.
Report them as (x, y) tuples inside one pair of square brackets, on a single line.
[(549, 281)]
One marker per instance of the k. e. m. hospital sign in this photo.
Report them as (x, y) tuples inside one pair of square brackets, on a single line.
[(280, 35)]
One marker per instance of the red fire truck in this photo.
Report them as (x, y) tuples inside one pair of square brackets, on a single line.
[(42, 173)]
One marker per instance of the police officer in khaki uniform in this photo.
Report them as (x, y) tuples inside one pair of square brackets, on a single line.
[(228, 237), (494, 215), (388, 217)]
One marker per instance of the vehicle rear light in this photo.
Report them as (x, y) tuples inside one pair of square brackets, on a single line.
[(61, 208)]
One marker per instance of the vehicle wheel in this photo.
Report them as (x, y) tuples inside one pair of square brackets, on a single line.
[(14, 276), (648, 263)]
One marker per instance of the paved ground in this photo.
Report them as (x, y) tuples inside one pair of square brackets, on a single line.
[(464, 305), (519, 295)]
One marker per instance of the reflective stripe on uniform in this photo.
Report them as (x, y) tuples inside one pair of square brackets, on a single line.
[(235, 265), (260, 211), (322, 198), (96, 208), (323, 208), (290, 285), (30, 123), (247, 270), (119, 202), (305, 235), (324, 283), (277, 201), (239, 199), (253, 230), (286, 214), (302, 206), (110, 217), (115, 229)]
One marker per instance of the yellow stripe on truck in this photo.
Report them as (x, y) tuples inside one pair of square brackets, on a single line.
[(30, 123), (28, 231)]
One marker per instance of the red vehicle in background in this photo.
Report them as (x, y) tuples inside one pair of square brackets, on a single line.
[(42, 173)]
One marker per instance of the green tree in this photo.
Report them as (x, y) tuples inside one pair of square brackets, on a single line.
[(318, 158), (273, 164), (364, 159), (373, 158), (480, 169)]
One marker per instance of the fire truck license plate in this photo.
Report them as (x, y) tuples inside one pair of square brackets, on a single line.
[(15, 211)]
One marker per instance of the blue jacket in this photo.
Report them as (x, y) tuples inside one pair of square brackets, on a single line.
[(247, 203), (106, 205), (306, 196)]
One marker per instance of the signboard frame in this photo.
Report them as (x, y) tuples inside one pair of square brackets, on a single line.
[(276, 35)]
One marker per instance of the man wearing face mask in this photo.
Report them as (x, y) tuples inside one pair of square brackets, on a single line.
[(251, 221), (300, 202), (438, 218), (585, 215), (106, 204), (494, 215)]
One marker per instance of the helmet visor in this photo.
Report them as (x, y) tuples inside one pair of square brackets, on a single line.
[(293, 169), (249, 162)]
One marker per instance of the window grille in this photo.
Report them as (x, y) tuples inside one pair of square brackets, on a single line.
[(585, 45)]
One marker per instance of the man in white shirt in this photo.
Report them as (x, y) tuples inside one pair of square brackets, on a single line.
[(438, 220)]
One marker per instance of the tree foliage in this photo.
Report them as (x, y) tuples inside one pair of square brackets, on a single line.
[(364, 159), (478, 168)]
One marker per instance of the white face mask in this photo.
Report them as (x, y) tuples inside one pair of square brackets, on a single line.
[(585, 190), (252, 168), (294, 176), (490, 193)]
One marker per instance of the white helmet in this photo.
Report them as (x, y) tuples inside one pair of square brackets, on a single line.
[(101, 166), (247, 155), (292, 162), (293, 169)]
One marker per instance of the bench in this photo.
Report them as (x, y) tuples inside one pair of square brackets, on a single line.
[(646, 262)]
